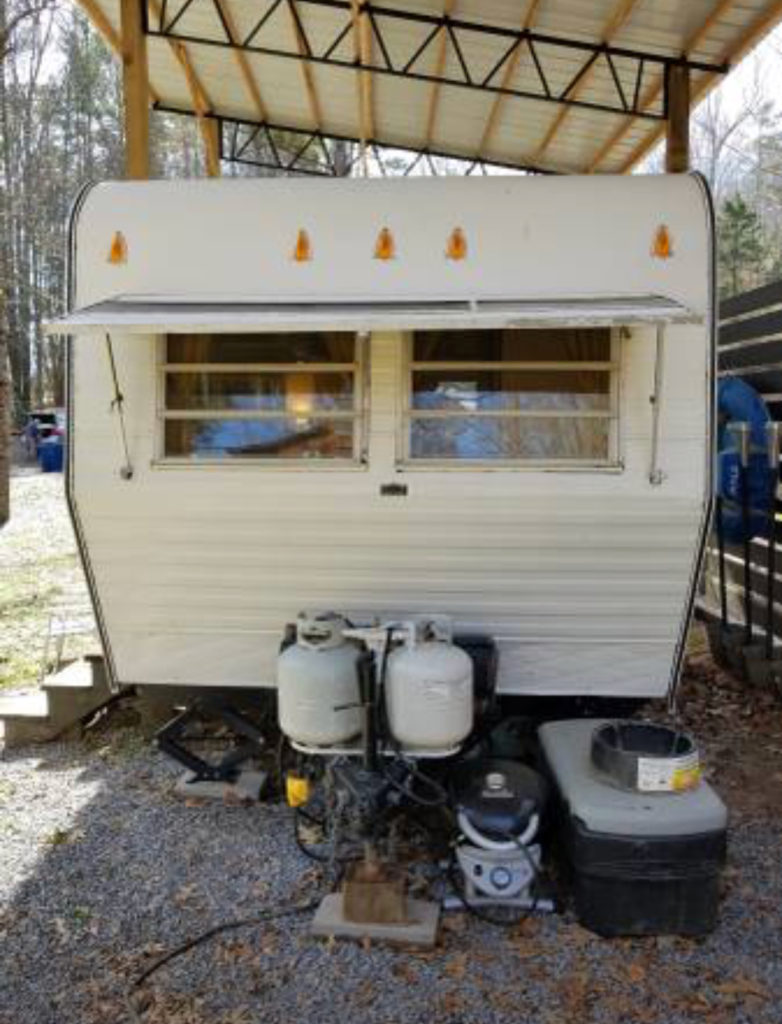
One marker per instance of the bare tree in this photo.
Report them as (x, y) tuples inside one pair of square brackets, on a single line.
[(12, 19)]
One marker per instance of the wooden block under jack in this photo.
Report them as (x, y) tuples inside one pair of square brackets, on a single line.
[(419, 928), (374, 893)]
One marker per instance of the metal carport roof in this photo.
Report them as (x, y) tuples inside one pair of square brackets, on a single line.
[(549, 85)]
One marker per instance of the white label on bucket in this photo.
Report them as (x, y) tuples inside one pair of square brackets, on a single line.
[(666, 774)]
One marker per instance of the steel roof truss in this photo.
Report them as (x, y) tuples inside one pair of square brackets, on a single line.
[(237, 138), (462, 72)]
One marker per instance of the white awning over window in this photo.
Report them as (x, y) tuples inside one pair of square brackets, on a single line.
[(151, 315)]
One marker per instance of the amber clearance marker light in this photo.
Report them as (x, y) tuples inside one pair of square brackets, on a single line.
[(302, 252), (118, 250), (662, 246), (384, 246), (456, 249)]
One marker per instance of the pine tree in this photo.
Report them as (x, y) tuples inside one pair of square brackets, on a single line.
[(740, 246)]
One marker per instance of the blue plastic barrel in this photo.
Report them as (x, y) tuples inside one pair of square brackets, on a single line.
[(50, 455), (738, 402)]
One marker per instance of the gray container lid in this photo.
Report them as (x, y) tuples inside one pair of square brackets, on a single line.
[(604, 807)]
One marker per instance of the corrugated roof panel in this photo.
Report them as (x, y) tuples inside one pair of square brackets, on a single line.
[(166, 75), (576, 19), (338, 100), (516, 138), (280, 84), (401, 110), (247, 13), (469, 110), (198, 19), (664, 26)]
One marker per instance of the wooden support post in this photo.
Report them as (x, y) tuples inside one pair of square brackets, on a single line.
[(202, 105), (210, 133), (677, 135), (136, 90)]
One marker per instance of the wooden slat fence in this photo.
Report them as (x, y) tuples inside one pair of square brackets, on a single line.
[(750, 347)]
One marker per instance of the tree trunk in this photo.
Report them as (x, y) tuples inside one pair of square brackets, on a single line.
[(5, 369), (5, 431)]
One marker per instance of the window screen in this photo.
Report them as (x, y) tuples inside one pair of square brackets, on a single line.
[(265, 396), (512, 395)]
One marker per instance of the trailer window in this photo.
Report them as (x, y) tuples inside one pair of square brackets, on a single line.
[(546, 395), (276, 397)]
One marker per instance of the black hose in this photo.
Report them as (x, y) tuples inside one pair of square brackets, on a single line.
[(321, 858), (440, 798), (241, 922), (308, 851), (455, 880), (369, 699)]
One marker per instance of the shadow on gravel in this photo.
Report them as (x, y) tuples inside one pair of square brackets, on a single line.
[(102, 870)]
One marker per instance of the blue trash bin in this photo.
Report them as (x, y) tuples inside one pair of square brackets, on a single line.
[(51, 454)]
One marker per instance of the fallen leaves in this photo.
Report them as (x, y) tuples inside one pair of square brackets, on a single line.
[(455, 924), (452, 1003), (575, 993), (578, 936), (524, 938), (186, 896), (405, 971), (636, 972), (235, 950), (743, 986), (456, 965), (365, 994)]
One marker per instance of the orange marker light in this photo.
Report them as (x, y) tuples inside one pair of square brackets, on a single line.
[(384, 246), (456, 249), (118, 250), (302, 252), (662, 246)]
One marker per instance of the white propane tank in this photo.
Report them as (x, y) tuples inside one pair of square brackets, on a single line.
[(429, 689), (316, 676)]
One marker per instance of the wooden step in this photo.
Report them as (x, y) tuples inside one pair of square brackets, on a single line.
[(25, 718), (63, 700), (28, 705)]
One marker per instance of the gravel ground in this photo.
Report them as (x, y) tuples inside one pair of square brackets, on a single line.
[(40, 577), (102, 869)]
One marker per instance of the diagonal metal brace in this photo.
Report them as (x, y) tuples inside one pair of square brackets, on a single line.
[(249, 740)]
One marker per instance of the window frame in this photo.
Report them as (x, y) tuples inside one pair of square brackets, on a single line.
[(612, 462), (359, 414)]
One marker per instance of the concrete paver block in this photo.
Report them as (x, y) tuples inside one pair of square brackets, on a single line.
[(419, 930), (247, 787)]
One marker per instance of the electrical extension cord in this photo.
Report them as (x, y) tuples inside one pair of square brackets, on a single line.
[(210, 933)]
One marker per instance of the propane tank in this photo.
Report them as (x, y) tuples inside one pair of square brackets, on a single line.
[(429, 689), (317, 683)]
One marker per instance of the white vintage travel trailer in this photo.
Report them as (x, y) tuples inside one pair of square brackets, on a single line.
[(488, 398)]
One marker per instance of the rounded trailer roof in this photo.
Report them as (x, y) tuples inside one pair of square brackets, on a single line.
[(548, 85)]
